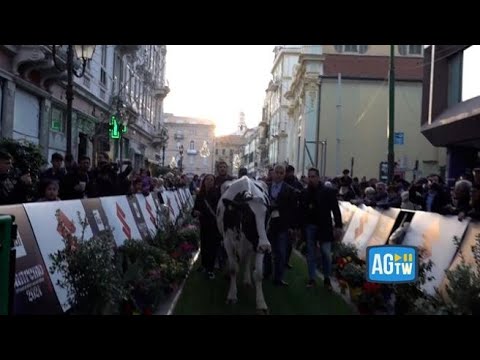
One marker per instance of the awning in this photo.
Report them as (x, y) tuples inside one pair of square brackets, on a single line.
[(459, 125)]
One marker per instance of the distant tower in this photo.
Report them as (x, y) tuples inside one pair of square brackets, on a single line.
[(242, 125)]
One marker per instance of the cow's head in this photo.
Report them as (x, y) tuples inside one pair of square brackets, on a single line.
[(247, 214)]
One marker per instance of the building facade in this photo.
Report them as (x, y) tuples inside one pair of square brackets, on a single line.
[(451, 105), (197, 137), (275, 113), (339, 100), (252, 152), (230, 148), (33, 98)]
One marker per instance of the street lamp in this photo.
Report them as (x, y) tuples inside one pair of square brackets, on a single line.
[(85, 53), (180, 150)]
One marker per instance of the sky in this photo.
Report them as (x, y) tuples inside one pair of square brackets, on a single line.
[(216, 82)]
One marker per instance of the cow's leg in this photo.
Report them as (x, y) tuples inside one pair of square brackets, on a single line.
[(249, 263), (233, 271), (258, 277)]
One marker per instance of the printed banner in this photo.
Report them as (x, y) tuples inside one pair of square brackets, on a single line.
[(361, 228), (95, 215), (149, 211), (138, 216), (120, 218), (51, 222), (434, 236), (34, 293), (465, 252), (347, 210), (172, 205), (386, 220)]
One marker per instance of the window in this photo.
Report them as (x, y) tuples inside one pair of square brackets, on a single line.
[(469, 73), (454, 79), (103, 77), (360, 49), (351, 48), (58, 120), (104, 55), (216, 151), (102, 94), (223, 151), (103, 72), (192, 145), (410, 49)]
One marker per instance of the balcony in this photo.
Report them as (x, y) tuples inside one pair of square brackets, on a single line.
[(192, 152), (273, 85), (128, 49), (161, 92), (179, 136), (35, 62), (160, 138)]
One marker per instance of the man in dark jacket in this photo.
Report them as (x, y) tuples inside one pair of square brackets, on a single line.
[(283, 219), (292, 180), (76, 182), (13, 189), (318, 203), (56, 172), (222, 170)]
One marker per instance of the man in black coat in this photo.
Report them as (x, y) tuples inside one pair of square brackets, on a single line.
[(318, 203), (283, 219)]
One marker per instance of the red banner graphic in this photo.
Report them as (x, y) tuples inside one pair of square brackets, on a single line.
[(150, 212), (121, 216)]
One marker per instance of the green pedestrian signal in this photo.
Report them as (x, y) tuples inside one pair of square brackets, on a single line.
[(115, 128)]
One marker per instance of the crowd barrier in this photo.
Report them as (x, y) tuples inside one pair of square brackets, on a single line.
[(435, 234), (136, 217), (38, 236)]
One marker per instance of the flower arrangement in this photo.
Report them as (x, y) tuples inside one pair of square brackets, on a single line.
[(131, 279), (93, 282), (463, 287)]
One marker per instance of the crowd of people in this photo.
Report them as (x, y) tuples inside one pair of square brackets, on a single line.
[(294, 210), (68, 180), (300, 209)]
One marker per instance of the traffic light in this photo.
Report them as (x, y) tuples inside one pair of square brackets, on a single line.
[(116, 128)]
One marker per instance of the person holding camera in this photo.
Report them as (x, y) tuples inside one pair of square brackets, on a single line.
[(13, 188)]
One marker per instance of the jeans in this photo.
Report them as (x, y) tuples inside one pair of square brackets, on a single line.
[(280, 245), (311, 235)]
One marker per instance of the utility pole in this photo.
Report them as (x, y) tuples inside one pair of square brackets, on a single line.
[(339, 119), (391, 116)]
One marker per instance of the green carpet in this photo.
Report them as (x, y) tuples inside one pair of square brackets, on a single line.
[(208, 297)]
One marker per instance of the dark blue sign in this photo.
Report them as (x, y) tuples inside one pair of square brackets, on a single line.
[(399, 138)]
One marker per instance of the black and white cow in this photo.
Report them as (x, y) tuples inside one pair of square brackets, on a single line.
[(241, 218)]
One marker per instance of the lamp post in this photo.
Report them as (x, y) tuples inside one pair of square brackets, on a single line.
[(180, 150), (85, 54)]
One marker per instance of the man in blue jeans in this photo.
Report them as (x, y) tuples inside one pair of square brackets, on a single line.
[(318, 203), (283, 219)]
